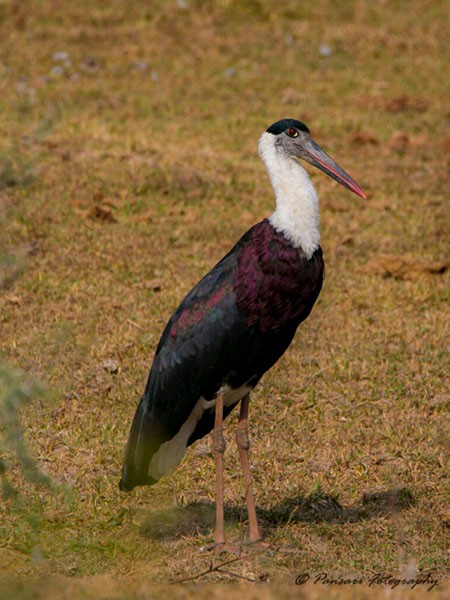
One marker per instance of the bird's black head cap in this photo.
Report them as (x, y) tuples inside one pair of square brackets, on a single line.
[(284, 124)]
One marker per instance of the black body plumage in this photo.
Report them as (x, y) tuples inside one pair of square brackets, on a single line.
[(228, 331)]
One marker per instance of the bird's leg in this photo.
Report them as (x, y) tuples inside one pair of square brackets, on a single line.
[(243, 444), (218, 442)]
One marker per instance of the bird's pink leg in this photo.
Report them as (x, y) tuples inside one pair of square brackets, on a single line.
[(243, 444), (218, 443)]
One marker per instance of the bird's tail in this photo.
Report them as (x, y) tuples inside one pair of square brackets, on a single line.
[(138, 452)]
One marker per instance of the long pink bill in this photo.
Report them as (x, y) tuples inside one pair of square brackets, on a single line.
[(313, 153)]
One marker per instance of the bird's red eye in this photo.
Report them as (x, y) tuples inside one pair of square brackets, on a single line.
[(292, 132)]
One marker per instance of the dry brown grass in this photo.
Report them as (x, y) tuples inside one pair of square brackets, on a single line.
[(123, 178)]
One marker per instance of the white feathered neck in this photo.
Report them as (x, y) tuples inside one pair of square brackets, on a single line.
[(297, 211)]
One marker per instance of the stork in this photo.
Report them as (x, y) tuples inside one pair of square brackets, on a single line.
[(234, 325)]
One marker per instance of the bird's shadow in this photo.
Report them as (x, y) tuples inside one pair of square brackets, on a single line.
[(199, 517)]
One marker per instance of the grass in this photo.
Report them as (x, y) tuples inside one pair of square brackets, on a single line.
[(125, 174)]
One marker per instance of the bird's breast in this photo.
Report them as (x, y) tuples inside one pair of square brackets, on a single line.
[(276, 284)]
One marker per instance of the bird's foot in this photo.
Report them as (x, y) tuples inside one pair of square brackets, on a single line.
[(237, 549), (258, 545), (221, 548)]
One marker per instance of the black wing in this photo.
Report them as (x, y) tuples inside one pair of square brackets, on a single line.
[(204, 345)]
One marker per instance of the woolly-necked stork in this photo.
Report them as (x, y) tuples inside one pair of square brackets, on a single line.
[(235, 324)]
